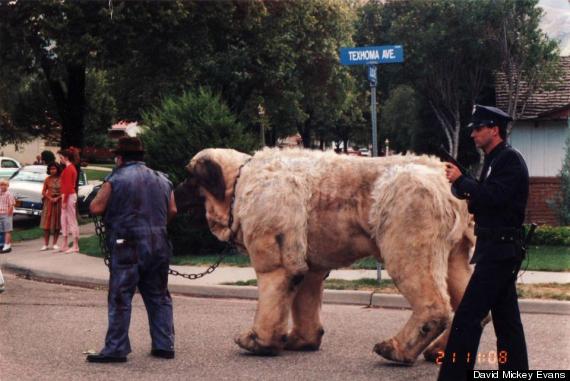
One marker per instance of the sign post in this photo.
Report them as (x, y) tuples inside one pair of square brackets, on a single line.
[(372, 56), (373, 79)]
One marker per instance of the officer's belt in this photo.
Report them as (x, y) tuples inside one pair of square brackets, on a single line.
[(500, 234)]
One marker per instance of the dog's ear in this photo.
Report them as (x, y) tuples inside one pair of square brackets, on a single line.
[(209, 175)]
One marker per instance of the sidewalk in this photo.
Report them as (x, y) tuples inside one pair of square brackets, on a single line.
[(79, 269)]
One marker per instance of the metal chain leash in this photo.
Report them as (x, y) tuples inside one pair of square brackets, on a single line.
[(209, 270), (100, 231)]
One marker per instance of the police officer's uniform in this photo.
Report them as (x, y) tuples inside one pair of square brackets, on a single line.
[(135, 221), (498, 202)]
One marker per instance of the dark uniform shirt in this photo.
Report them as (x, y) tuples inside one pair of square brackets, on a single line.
[(497, 201)]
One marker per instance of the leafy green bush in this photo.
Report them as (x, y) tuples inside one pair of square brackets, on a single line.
[(552, 235), (181, 126), (173, 133)]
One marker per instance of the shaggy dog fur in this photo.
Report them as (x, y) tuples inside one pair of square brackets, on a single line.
[(299, 213)]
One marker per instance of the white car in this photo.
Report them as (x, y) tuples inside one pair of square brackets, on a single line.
[(8, 166), (27, 183)]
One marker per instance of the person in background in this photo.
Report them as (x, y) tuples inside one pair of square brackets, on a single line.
[(69, 202), (7, 203), (51, 211), (76, 161)]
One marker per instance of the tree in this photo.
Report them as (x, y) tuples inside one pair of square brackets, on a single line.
[(399, 128), (452, 49), (529, 59), (55, 38), (59, 41)]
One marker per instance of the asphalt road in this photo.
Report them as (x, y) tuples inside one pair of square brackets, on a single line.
[(45, 328)]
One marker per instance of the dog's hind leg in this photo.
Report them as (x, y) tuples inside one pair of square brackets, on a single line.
[(307, 329), (458, 275), (427, 295)]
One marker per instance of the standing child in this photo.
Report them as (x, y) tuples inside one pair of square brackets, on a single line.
[(51, 211), (7, 203)]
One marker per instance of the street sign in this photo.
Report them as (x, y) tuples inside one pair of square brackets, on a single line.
[(372, 74), (371, 55)]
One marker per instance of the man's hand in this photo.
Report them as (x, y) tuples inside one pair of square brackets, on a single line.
[(452, 172)]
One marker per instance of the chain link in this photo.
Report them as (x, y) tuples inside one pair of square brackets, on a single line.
[(100, 231)]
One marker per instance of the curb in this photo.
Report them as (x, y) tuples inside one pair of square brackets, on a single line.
[(362, 298)]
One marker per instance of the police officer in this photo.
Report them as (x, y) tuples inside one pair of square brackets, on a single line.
[(497, 201), (137, 203)]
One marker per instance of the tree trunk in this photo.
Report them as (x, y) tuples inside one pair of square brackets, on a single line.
[(70, 102), (73, 128), (306, 136)]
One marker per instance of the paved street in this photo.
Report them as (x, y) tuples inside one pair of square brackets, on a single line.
[(45, 328)]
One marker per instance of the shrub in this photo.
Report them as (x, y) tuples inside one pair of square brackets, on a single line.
[(552, 235), (174, 132), (181, 126)]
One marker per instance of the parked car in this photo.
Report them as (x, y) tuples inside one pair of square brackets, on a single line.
[(27, 183), (8, 166)]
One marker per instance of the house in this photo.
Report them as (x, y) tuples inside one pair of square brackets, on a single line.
[(540, 134), (26, 153)]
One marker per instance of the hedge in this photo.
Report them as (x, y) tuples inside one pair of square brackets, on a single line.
[(552, 235)]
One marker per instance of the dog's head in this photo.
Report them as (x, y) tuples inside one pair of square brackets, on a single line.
[(207, 189), (204, 174)]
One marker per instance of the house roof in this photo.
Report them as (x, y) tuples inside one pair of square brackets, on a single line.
[(543, 103), (123, 128)]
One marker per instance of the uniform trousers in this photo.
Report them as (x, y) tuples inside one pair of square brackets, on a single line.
[(132, 267), (492, 287)]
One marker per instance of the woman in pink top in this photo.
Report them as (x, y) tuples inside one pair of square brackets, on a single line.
[(69, 201)]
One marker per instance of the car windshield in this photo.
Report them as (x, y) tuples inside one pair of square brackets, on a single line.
[(26, 174)]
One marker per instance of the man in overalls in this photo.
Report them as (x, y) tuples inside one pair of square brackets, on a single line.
[(137, 204)]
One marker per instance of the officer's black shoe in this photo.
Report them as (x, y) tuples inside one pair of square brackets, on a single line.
[(163, 354), (98, 357)]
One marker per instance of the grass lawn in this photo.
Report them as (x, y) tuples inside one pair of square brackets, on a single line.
[(556, 291), (93, 174), (27, 234), (540, 258)]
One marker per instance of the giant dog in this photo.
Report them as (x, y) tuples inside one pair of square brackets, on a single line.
[(300, 213)]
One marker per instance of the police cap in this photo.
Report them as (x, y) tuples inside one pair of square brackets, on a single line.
[(488, 116)]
